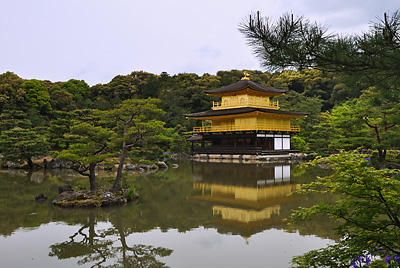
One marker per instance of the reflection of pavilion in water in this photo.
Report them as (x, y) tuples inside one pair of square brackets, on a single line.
[(247, 198)]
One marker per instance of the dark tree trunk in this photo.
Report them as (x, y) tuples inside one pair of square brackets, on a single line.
[(117, 184), (92, 177), (382, 155), (30, 163)]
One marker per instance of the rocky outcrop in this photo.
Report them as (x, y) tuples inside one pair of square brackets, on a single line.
[(145, 167), (56, 163), (86, 198)]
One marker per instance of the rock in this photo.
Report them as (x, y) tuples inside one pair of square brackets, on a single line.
[(108, 198), (53, 164), (65, 188), (78, 199), (297, 156), (13, 165), (107, 195), (154, 167), (40, 197), (72, 195), (142, 166), (175, 165), (162, 165), (67, 164), (129, 167), (56, 164)]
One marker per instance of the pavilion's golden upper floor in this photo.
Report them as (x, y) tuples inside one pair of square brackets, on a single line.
[(245, 100)]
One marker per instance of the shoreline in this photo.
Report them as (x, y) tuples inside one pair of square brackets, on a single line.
[(230, 158)]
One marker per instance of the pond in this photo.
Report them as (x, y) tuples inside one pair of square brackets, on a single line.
[(198, 215)]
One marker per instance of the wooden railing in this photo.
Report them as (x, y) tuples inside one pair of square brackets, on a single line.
[(246, 128), (235, 104)]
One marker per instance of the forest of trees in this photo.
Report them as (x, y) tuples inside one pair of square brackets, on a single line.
[(38, 117)]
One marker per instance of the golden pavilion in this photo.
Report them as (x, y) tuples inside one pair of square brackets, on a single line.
[(245, 121)]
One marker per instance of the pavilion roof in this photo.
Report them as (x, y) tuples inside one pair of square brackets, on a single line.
[(244, 110), (243, 84)]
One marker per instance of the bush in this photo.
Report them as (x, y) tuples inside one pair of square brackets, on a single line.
[(368, 211), (298, 143)]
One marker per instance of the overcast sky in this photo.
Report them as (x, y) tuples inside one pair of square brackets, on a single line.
[(95, 40)]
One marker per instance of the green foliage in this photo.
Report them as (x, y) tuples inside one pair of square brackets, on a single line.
[(37, 96), (367, 212), (10, 119), (146, 162), (87, 149), (20, 144), (135, 123), (310, 83), (178, 143), (293, 101), (9, 85), (298, 143), (132, 191), (77, 88), (303, 44), (321, 134), (59, 126), (350, 131), (61, 100), (88, 144), (392, 156), (108, 164), (368, 122)]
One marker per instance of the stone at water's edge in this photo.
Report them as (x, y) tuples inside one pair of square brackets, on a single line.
[(162, 165), (129, 167), (40, 197), (86, 199), (145, 167)]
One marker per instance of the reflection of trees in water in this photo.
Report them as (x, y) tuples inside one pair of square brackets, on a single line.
[(97, 247)]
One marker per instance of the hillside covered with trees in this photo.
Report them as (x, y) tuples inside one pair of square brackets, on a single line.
[(37, 116)]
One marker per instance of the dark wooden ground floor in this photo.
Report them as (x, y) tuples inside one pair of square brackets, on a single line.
[(250, 142)]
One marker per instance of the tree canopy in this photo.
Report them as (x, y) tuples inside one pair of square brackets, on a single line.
[(296, 42), (19, 144), (87, 149), (367, 211), (135, 122)]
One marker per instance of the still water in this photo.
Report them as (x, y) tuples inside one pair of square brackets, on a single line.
[(198, 215)]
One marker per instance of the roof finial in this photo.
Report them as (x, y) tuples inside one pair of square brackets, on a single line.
[(246, 76)]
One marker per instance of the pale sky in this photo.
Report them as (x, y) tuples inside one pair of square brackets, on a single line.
[(95, 40)]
